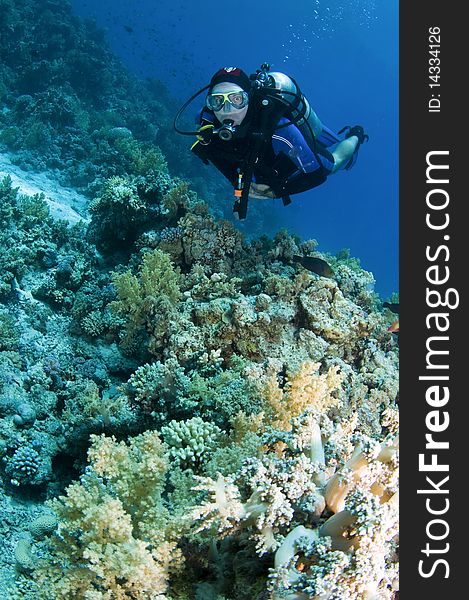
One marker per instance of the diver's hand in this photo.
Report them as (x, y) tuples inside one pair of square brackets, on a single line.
[(261, 191), (205, 134)]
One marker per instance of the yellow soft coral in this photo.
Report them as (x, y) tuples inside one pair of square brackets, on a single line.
[(115, 539), (304, 389), (147, 300)]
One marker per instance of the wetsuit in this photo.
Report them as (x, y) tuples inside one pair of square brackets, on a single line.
[(288, 164)]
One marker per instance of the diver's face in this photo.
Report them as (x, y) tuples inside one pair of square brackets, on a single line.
[(228, 111)]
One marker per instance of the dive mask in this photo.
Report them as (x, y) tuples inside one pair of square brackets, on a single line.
[(237, 100)]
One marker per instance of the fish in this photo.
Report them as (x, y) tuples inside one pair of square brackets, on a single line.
[(315, 265), (393, 306), (394, 327)]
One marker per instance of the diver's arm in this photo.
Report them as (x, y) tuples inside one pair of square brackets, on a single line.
[(206, 153)]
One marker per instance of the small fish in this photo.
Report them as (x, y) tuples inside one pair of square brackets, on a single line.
[(393, 306), (394, 327), (128, 28), (315, 265)]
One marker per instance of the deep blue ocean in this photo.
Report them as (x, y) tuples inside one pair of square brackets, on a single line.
[(344, 55)]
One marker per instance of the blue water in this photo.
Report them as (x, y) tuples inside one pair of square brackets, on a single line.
[(344, 55)]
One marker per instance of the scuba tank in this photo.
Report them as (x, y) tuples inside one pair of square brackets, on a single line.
[(303, 115), (296, 107)]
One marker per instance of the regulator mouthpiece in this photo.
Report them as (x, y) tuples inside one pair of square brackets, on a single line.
[(227, 130)]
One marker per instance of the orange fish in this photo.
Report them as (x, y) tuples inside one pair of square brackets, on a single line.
[(394, 327)]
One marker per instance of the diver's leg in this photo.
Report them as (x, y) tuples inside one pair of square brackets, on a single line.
[(344, 152), (314, 122)]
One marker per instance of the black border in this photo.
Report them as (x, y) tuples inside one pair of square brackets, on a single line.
[(421, 132)]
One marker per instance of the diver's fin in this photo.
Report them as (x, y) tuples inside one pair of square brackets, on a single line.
[(358, 131), (353, 160)]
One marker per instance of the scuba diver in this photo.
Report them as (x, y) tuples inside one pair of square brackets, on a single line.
[(260, 132)]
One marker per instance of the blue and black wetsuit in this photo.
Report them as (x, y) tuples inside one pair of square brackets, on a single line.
[(289, 164)]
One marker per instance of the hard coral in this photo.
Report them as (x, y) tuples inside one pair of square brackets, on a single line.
[(116, 212), (210, 243), (24, 466), (205, 390), (191, 442), (159, 390), (327, 313)]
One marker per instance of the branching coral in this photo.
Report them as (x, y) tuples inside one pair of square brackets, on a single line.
[(304, 388), (191, 442), (23, 466)]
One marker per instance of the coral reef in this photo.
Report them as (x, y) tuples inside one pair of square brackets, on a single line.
[(185, 413), (274, 391)]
